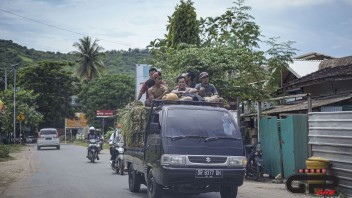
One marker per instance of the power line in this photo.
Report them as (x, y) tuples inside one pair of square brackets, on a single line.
[(64, 29)]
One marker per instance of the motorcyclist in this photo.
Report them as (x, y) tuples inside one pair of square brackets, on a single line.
[(115, 137), (92, 135), (101, 139)]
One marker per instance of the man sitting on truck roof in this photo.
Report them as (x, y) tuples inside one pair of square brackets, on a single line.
[(158, 90), (205, 89), (182, 87)]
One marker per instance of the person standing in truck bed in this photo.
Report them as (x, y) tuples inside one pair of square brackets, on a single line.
[(147, 84), (158, 90)]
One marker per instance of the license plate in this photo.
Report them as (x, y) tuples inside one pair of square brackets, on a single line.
[(208, 173), (48, 138)]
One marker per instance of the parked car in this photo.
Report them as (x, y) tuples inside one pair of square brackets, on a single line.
[(31, 139), (48, 137)]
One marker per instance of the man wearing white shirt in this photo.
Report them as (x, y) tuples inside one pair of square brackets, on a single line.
[(115, 137)]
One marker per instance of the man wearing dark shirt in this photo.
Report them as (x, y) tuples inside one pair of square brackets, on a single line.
[(205, 89)]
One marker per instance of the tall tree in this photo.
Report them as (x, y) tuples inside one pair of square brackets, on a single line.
[(90, 58), (54, 87), (26, 103), (230, 53), (183, 27), (110, 92)]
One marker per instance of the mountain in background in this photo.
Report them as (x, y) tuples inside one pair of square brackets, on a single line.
[(116, 61)]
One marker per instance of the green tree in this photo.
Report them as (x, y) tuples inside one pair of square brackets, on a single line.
[(183, 25), (110, 92), (230, 53), (54, 87), (26, 103), (235, 27), (90, 58)]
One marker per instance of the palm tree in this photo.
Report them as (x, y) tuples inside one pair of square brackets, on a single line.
[(90, 58)]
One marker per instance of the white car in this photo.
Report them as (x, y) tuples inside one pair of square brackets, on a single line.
[(48, 137), (31, 139)]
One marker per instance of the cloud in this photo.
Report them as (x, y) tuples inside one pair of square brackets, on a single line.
[(285, 4)]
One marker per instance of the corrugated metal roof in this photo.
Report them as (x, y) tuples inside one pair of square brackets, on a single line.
[(304, 104), (322, 75)]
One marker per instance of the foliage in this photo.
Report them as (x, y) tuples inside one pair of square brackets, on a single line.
[(134, 120), (116, 61), (183, 25), (4, 151), (235, 27), (90, 55), (108, 134), (110, 92), (12, 53), (230, 53), (26, 103), (53, 86)]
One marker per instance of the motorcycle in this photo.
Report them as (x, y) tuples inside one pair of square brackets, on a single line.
[(118, 165), (93, 150), (255, 167)]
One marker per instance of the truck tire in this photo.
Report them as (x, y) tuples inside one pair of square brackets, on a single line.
[(154, 189), (134, 180), (228, 191)]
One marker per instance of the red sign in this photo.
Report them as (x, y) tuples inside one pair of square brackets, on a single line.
[(105, 113)]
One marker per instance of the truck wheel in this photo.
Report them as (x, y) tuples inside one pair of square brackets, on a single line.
[(154, 189), (228, 191), (134, 181)]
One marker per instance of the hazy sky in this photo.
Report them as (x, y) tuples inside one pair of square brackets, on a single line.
[(323, 26)]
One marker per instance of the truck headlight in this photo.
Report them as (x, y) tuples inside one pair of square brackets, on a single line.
[(173, 160), (237, 161)]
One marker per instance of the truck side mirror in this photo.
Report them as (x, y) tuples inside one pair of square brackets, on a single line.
[(154, 127)]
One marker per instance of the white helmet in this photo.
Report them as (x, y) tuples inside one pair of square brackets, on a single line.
[(91, 128)]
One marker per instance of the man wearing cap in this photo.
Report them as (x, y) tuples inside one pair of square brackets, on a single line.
[(205, 89)]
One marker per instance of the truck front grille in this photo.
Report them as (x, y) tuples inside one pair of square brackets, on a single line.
[(207, 159)]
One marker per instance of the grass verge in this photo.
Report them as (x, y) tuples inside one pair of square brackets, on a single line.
[(7, 149)]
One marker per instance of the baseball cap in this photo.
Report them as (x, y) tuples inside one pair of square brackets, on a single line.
[(203, 74)]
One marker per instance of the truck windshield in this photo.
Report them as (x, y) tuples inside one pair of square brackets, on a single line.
[(201, 123)]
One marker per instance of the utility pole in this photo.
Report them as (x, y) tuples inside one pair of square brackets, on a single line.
[(5, 78), (14, 99), (14, 103)]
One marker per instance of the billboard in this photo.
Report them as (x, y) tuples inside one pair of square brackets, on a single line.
[(79, 121)]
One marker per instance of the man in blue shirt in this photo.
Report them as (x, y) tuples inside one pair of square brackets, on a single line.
[(205, 89)]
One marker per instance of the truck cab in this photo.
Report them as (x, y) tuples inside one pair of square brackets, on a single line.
[(190, 147)]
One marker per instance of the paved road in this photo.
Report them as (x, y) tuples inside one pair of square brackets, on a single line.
[(67, 173)]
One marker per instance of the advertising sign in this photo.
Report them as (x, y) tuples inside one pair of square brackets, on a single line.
[(105, 113), (79, 121)]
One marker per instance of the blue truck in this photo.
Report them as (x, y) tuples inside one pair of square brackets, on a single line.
[(190, 147)]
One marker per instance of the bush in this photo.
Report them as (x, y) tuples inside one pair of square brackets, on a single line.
[(4, 151), (107, 135)]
